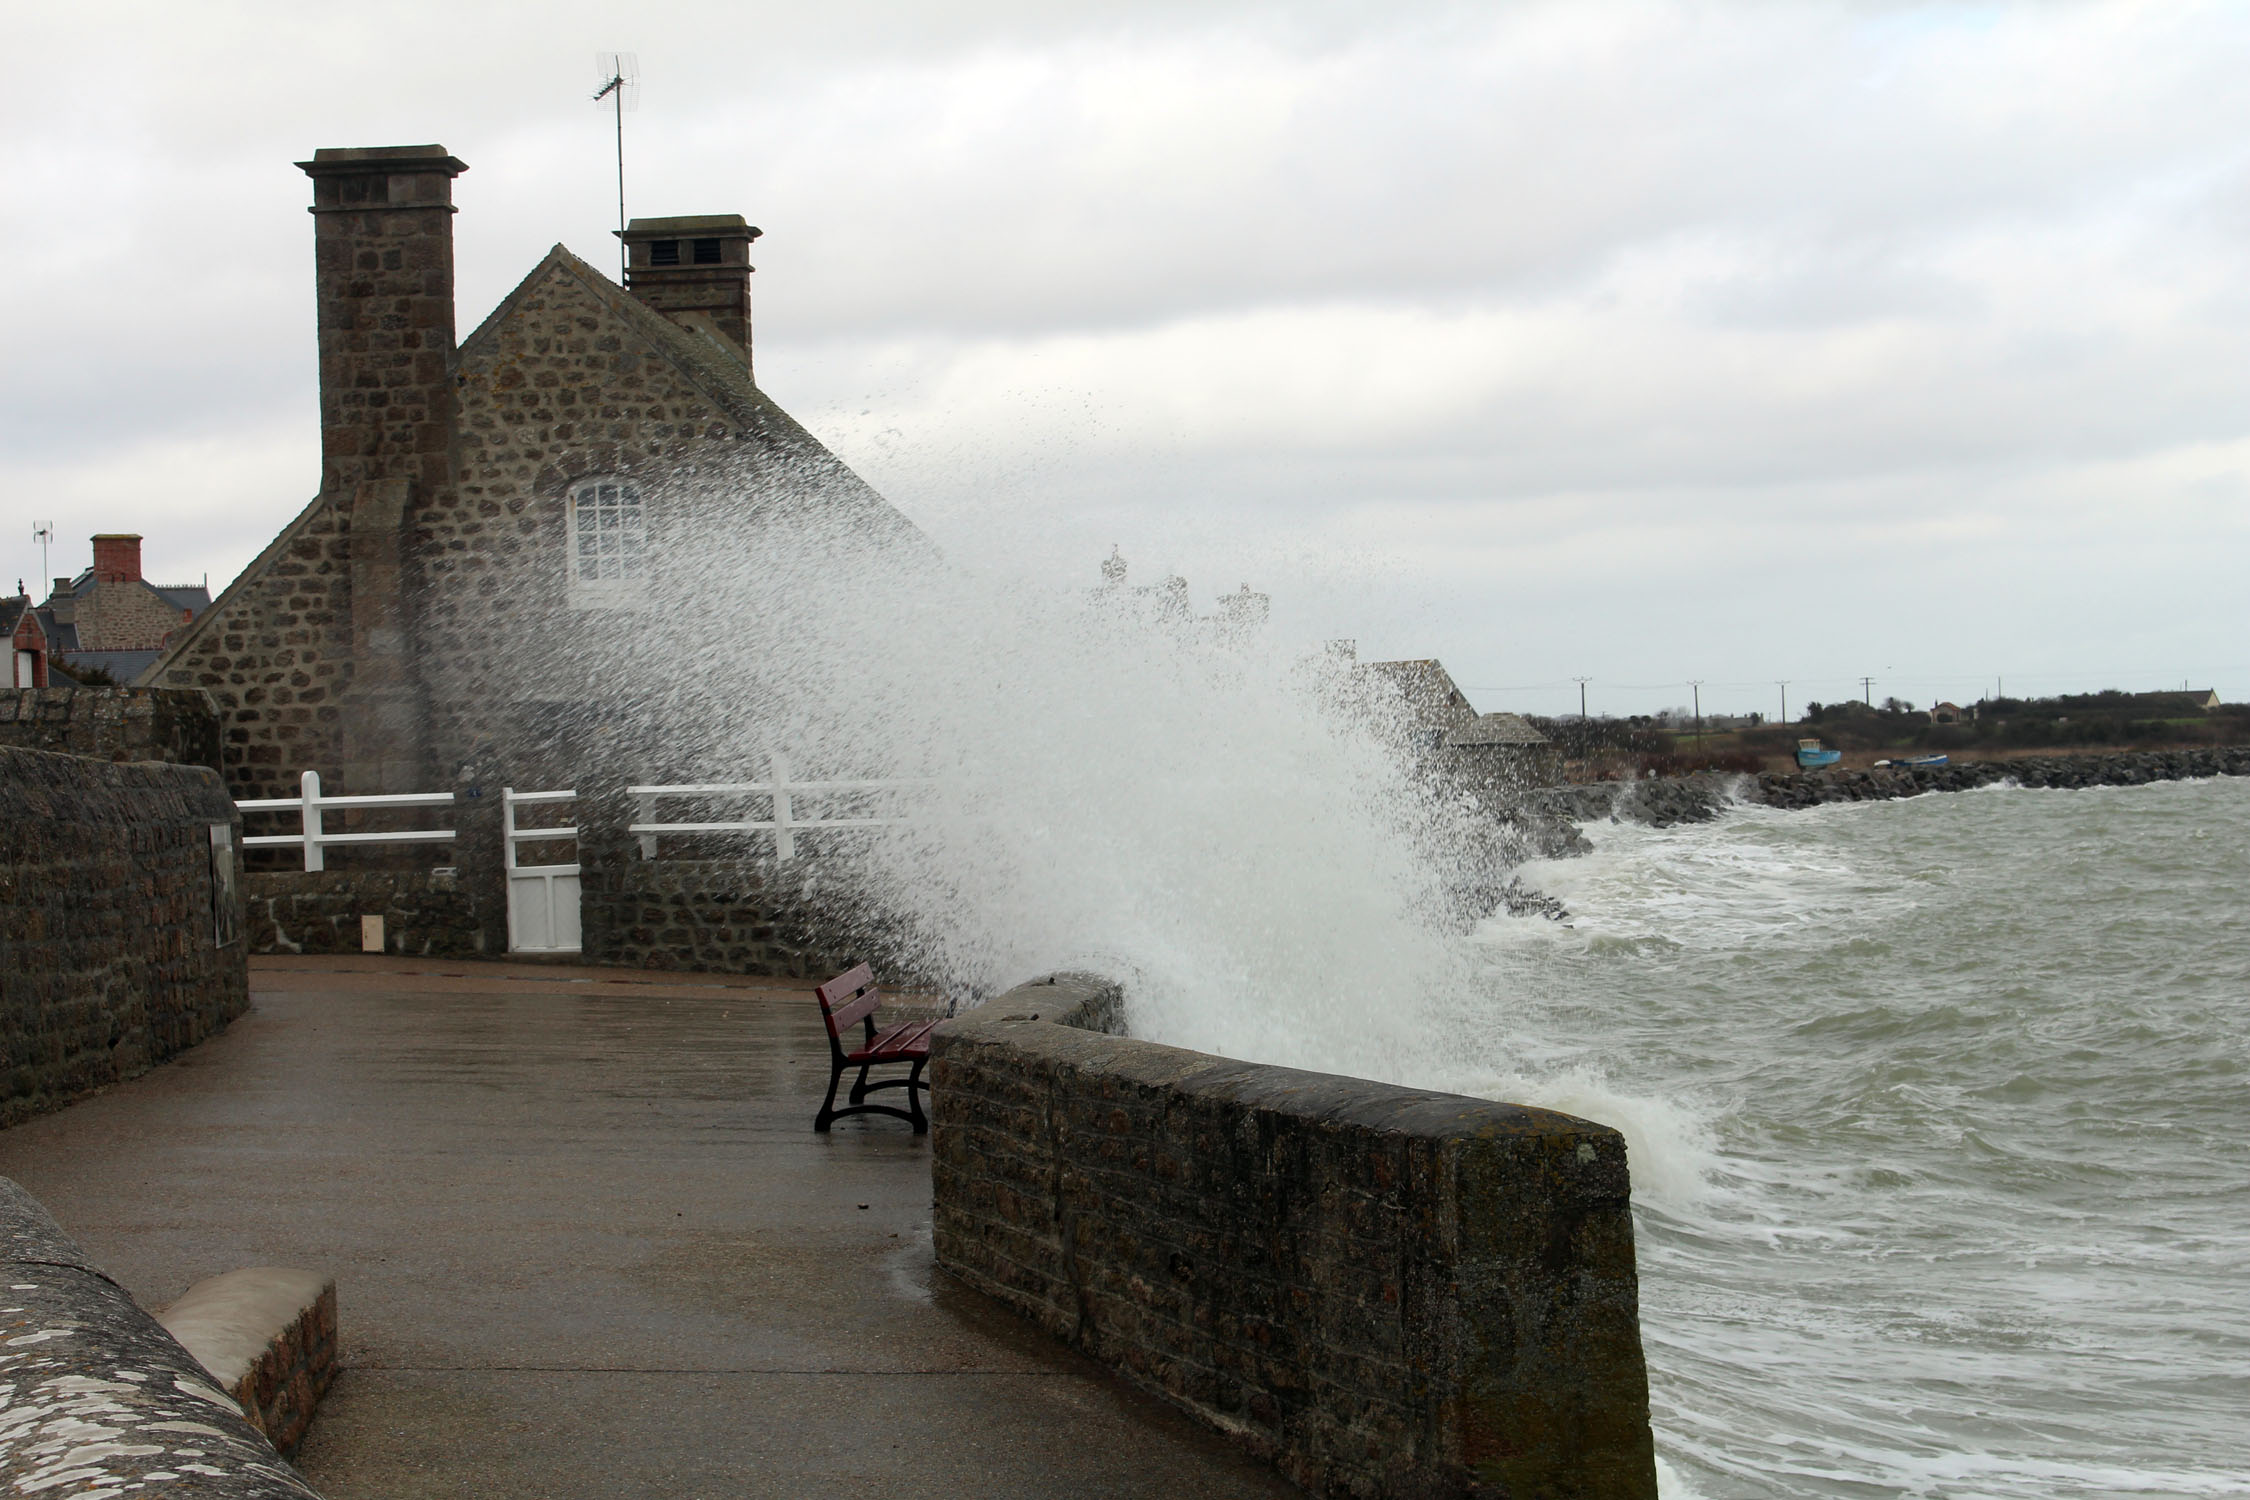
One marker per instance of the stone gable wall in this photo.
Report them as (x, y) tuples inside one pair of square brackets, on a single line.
[(1389, 1292), (276, 658), (108, 956), (563, 391)]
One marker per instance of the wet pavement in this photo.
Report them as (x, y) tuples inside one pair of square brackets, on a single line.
[(587, 1244)]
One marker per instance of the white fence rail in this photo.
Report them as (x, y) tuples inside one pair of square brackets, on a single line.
[(312, 807), (786, 796), (782, 790)]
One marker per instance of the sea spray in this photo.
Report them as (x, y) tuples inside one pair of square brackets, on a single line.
[(1232, 822)]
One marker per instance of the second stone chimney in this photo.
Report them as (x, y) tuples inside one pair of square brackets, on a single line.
[(117, 557), (694, 270)]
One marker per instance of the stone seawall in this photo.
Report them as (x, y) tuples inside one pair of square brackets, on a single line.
[(113, 909), (1390, 1293), (114, 723)]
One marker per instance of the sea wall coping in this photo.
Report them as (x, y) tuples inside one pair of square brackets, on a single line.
[(96, 1398)]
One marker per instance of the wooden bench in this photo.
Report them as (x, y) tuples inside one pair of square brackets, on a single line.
[(852, 996)]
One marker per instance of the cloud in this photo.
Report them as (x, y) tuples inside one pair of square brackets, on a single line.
[(1545, 337)]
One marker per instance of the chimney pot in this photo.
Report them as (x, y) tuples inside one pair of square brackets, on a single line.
[(117, 558)]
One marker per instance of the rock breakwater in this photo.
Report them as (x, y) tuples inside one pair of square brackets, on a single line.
[(2072, 772)]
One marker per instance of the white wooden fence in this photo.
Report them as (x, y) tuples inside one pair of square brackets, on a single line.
[(784, 794), (543, 899), (311, 807)]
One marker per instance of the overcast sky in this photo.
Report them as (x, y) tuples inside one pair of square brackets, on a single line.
[(1640, 342)]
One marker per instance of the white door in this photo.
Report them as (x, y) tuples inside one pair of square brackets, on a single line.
[(543, 909), (542, 899), (27, 663)]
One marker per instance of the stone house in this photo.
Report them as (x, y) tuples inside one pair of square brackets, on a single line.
[(498, 517), (111, 617)]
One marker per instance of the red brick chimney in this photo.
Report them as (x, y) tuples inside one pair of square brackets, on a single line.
[(117, 558)]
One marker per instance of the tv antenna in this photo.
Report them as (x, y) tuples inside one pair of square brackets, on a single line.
[(43, 532), (621, 86)]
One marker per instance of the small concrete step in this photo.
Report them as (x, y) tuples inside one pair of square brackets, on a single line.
[(267, 1334)]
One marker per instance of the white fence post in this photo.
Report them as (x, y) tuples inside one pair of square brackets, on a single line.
[(644, 811), (309, 789), (784, 839)]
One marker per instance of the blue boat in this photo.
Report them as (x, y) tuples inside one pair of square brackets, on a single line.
[(1811, 756)]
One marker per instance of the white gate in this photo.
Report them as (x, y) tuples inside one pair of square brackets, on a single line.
[(542, 899)]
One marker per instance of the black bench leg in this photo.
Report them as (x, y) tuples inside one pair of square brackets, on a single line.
[(828, 1105), (859, 1089), (915, 1089)]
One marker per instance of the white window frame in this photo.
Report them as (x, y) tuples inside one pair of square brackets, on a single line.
[(607, 560)]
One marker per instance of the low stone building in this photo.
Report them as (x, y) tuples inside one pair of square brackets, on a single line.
[(1503, 751), (498, 519)]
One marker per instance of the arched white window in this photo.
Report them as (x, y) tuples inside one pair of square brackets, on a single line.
[(608, 544)]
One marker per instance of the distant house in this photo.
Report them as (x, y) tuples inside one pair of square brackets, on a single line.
[(1238, 614), (2180, 705), (1951, 713), (112, 618), (27, 642)]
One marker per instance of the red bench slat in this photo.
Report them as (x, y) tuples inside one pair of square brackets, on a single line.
[(907, 1039), (840, 1006)]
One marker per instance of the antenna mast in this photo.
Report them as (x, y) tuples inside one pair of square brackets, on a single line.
[(621, 86), (43, 532)]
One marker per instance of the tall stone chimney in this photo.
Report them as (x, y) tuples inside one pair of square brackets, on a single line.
[(383, 266), (117, 557), (383, 276), (694, 270)]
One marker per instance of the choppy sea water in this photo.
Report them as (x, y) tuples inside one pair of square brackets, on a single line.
[(1940, 1121)]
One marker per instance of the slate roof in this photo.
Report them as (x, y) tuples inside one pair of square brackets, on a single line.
[(122, 665), (1426, 689)]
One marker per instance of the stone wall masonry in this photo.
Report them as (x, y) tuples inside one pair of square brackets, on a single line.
[(109, 923), (1389, 1292), (113, 723), (429, 913), (722, 916), (100, 1399)]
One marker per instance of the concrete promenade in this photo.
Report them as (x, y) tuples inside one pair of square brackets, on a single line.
[(587, 1244)]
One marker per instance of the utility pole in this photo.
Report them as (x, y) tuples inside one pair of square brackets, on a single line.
[(43, 532), (1697, 687), (1867, 691), (1785, 701), (1582, 681)]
